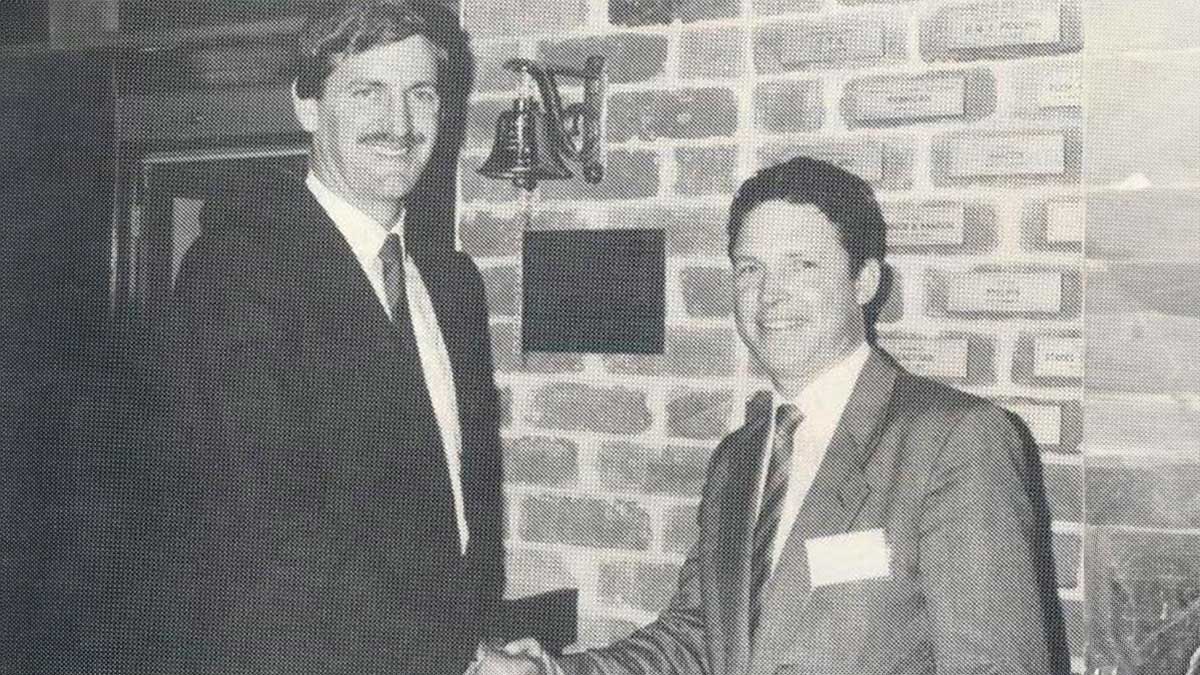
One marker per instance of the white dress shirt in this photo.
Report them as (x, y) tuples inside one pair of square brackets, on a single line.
[(822, 403), (365, 237)]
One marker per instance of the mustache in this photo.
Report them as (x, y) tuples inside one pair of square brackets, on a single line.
[(407, 141)]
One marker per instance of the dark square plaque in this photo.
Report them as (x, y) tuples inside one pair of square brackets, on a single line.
[(599, 291)]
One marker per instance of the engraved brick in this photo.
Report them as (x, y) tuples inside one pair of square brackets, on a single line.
[(939, 227), (631, 57), (682, 113), (964, 358), (581, 521), (625, 467), (885, 164), (698, 414), (571, 406), (989, 292), (1045, 89), (541, 460), (688, 352), (642, 585), (1154, 224), (1006, 292), (1016, 158), (711, 53), (1043, 421), (628, 174), (788, 106), (513, 18), (901, 99), (705, 170), (1000, 29), (707, 291), (1057, 357), (839, 42)]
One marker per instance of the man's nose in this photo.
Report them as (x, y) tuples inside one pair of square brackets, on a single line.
[(399, 114), (776, 284)]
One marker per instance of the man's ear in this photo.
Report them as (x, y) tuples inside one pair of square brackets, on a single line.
[(866, 285), (307, 112)]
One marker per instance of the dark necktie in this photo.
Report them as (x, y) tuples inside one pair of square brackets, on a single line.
[(787, 420), (392, 257)]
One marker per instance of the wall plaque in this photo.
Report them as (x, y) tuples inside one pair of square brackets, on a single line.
[(1007, 155), (924, 224), (864, 160), (1060, 88), (822, 43), (1058, 357), (933, 357), (1003, 24), (894, 99), (1064, 222), (1044, 421), (1006, 292)]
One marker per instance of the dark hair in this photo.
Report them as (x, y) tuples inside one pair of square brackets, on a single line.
[(845, 199), (351, 27)]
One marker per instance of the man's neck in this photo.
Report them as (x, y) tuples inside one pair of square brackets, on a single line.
[(794, 385), (383, 212)]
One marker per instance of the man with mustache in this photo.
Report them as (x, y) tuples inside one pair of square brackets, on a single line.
[(340, 505), (863, 521)]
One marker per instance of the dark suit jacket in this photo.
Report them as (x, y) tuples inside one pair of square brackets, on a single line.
[(958, 494), (310, 528)]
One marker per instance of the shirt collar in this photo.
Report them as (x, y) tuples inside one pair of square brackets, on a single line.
[(364, 234), (826, 396)]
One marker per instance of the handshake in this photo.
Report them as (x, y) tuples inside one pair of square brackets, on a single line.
[(520, 657)]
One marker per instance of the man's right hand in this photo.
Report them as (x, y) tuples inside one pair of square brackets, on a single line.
[(522, 660)]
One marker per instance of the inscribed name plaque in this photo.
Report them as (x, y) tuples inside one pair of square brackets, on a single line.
[(924, 224), (1008, 23), (813, 43), (864, 160), (1006, 292), (1058, 357), (932, 357), (1008, 155), (897, 99), (1044, 421), (1060, 88), (1064, 222)]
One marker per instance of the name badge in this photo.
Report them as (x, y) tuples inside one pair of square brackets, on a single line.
[(851, 556)]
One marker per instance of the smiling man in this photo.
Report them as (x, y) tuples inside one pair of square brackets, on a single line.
[(863, 521), (338, 508)]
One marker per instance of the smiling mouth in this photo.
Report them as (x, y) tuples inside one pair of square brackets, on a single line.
[(400, 150)]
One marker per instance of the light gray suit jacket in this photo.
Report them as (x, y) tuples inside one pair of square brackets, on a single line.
[(955, 484)]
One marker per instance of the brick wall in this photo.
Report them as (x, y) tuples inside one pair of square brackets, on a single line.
[(966, 118)]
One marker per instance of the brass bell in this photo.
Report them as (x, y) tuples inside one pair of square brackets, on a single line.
[(522, 151)]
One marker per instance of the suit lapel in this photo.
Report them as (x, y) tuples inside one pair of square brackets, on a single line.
[(837, 494)]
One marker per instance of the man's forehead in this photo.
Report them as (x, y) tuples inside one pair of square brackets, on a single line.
[(413, 58)]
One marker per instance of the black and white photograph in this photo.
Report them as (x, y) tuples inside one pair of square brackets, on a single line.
[(600, 337)]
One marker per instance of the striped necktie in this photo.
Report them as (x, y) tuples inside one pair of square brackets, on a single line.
[(787, 420), (391, 254)]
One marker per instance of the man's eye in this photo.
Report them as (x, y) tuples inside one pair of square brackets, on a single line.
[(363, 93), (745, 268)]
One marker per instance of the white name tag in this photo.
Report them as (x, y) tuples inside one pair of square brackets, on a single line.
[(852, 556)]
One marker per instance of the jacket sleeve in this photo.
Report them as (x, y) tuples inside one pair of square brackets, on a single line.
[(980, 547)]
